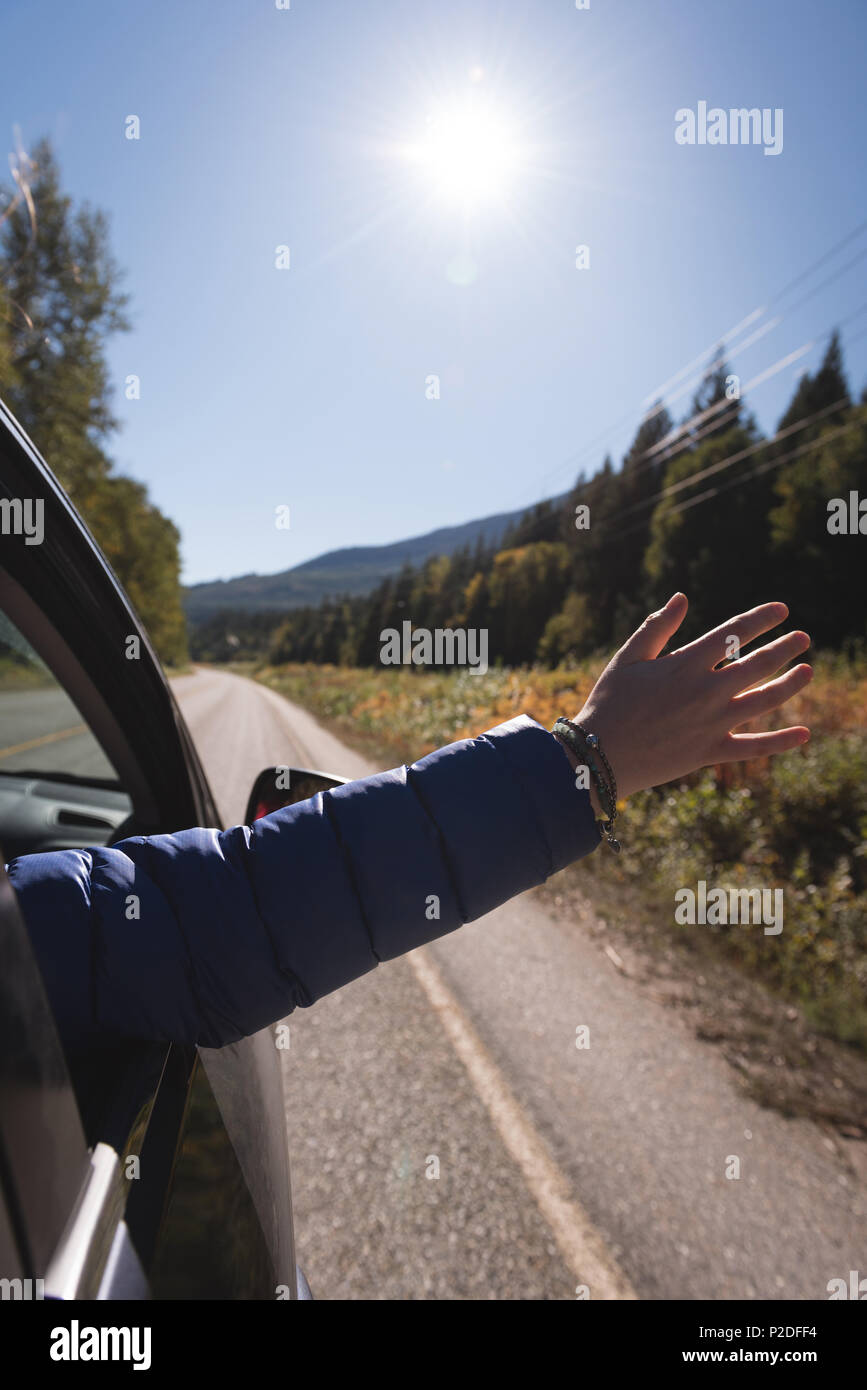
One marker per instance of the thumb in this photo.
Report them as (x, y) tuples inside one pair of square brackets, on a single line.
[(647, 642)]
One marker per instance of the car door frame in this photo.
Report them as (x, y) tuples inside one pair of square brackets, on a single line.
[(64, 597)]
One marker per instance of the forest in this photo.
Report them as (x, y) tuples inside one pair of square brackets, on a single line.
[(707, 505)]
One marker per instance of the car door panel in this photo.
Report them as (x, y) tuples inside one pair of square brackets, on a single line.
[(205, 1202)]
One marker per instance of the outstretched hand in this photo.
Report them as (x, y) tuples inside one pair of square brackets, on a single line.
[(661, 717)]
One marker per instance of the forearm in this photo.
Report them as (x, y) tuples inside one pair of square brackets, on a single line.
[(236, 928)]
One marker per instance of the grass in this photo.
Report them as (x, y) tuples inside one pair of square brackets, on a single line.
[(398, 715), (18, 674)]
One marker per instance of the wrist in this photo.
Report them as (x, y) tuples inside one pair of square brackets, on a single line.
[(575, 764)]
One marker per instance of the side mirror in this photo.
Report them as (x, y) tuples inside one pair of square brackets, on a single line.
[(276, 787)]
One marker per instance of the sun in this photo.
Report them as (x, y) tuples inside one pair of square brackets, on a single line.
[(468, 154)]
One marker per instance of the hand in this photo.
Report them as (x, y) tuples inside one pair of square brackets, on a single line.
[(661, 717)]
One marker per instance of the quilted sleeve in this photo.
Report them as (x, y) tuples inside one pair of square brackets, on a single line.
[(207, 936)]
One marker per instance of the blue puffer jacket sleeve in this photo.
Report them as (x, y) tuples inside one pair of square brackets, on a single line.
[(207, 936)]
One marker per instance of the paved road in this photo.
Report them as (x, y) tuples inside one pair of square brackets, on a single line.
[(42, 731), (558, 1168)]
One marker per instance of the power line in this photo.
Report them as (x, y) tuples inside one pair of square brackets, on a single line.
[(670, 445), (728, 462), (686, 431), (736, 457), (758, 313), (719, 466), (862, 226), (755, 473), (642, 461), (585, 449)]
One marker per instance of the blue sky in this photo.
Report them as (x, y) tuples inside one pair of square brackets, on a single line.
[(305, 387)]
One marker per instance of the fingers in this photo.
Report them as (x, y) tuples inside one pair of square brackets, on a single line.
[(716, 645), (769, 697), (647, 642), (764, 662), (737, 747)]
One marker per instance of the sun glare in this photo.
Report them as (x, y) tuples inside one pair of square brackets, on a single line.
[(467, 155)]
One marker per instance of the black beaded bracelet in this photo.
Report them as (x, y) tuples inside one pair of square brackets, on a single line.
[(578, 740), (585, 745)]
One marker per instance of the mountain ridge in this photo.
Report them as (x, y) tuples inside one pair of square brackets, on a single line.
[(348, 570)]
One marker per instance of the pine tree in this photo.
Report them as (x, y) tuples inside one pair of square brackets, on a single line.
[(822, 573), (716, 403), (642, 475), (816, 393)]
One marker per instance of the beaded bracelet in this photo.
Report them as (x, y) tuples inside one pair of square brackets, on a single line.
[(587, 748), (582, 741)]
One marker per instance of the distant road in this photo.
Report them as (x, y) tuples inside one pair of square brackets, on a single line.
[(557, 1167)]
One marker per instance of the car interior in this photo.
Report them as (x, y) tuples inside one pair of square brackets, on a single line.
[(58, 788)]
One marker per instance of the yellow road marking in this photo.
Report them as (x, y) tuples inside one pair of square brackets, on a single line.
[(43, 739), (581, 1245)]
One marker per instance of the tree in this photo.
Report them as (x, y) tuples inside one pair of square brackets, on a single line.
[(824, 570), (593, 523), (735, 521), (802, 487), (60, 303), (569, 633), (815, 394), (716, 403), (525, 586), (642, 473), (711, 540)]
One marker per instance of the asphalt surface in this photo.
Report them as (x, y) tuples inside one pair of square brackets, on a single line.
[(42, 731), (603, 1167)]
